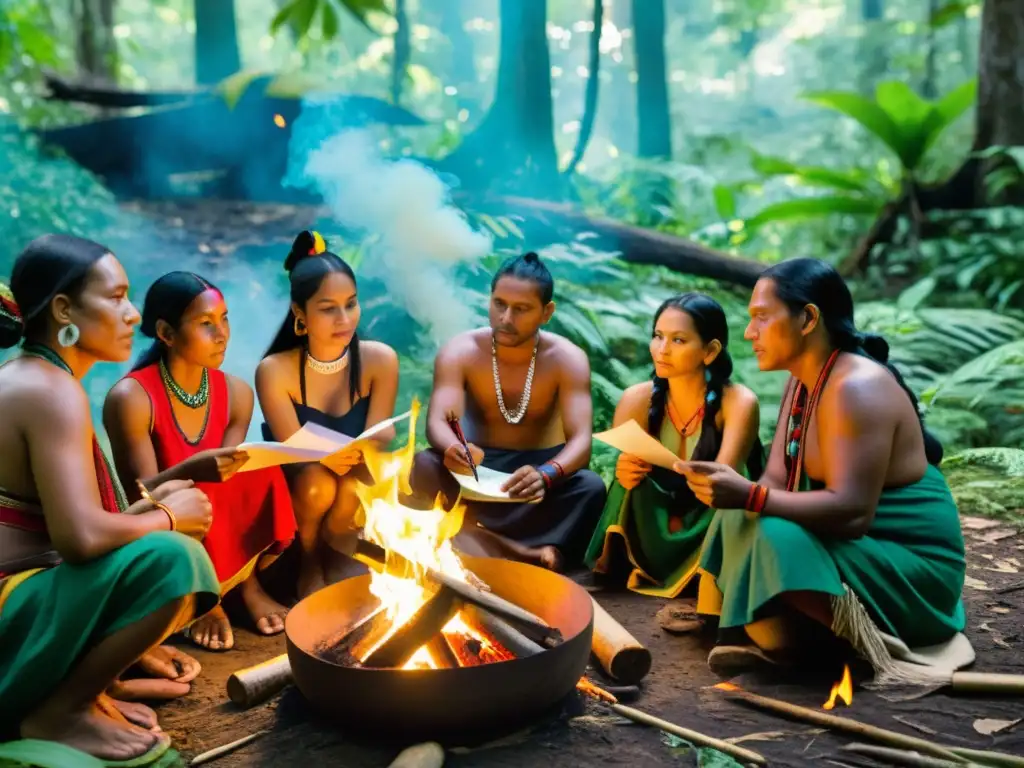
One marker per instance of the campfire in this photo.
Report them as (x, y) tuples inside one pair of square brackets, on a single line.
[(425, 618), (841, 690)]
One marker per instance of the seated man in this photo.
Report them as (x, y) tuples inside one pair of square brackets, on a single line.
[(524, 398)]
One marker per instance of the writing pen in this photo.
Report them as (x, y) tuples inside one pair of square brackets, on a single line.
[(453, 422)]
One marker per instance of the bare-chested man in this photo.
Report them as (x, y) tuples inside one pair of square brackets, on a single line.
[(523, 399)]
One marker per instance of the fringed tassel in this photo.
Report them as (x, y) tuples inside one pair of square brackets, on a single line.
[(851, 622)]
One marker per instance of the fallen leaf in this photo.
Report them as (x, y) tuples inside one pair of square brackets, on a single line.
[(1001, 566), (989, 727), (994, 536), (984, 627), (999, 609), (762, 736), (998, 640), (916, 726), (973, 583), (978, 523)]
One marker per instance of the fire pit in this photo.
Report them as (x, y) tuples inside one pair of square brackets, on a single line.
[(431, 644), (463, 704)]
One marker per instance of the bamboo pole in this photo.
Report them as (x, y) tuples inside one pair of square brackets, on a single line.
[(902, 757), (890, 738), (222, 750)]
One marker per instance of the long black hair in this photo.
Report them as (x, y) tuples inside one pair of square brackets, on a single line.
[(49, 265), (709, 319), (167, 299), (307, 264), (803, 281)]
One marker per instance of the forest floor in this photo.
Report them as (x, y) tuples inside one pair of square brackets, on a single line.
[(678, 689)]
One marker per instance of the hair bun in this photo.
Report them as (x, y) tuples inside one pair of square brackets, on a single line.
[(531, 258), (875, 346), (308, 243)]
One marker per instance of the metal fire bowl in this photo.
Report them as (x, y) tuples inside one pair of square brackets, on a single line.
[(465, 705)]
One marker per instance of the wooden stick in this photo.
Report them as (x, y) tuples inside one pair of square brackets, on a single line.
[(216, 752), (374, 556), (1000, 759), (254, 685), (900, 757), (427, 755), (694, 737), (891, 738), (428, 621), (621, 655), (987, 682), (442, 653), (510, 637)]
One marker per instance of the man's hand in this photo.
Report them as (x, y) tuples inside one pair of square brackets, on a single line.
[(455, 458), (526, 483), (213, 466), (719, 486), (630, 471)]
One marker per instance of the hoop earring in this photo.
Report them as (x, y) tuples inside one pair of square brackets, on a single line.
[(300, 327), (68, 335)]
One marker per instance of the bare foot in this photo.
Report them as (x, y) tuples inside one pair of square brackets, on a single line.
[(128, 712), (213, 631), (265, 611), (148, 689), (90, 730)]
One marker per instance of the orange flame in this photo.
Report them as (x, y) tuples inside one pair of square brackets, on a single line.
[(727, 687), (279, 121), (841, 690)]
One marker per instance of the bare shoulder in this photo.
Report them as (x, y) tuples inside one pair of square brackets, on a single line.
[(52, 398), (275, 370), (637, 395), (571, 357), (862, 389), (737, 398), (461, 348), (238, 387), (128, 393), (378, 355)]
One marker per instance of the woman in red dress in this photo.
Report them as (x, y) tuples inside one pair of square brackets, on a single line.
[(175, 403)]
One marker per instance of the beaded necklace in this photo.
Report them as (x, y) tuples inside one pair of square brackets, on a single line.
[(45, 353), (800, 413), (697, 417), (198, 400)]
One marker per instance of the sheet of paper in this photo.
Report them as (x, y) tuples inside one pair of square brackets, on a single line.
[(311, 443), (489, 487), (631, 438)]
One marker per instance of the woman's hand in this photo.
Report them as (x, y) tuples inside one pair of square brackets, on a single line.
[(717, 485), (630, 470), (343, 462), (212, 466), (192, 510)]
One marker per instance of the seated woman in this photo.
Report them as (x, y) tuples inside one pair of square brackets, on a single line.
[(317, 371), (84, 592), (690, 405), (852, 523), (174, 404)]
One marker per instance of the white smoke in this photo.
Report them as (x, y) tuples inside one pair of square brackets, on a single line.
[(416, 235)]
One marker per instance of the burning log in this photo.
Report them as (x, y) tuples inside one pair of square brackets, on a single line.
[(621, 655), (501, 631), (441, 652), (466, 649), (428, 621), (374, 556)]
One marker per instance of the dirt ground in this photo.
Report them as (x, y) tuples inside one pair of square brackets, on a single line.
[(677, 689)]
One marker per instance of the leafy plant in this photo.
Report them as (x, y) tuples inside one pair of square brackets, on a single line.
[(299, 15)]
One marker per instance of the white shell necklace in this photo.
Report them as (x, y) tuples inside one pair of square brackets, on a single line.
[(332, 366), (513, 417)]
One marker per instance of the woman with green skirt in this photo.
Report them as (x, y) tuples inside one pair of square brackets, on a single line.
[(852, 524), (653, 525)]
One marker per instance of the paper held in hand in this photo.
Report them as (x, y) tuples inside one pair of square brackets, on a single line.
[(311, 443), (630, 438), (489, 487)]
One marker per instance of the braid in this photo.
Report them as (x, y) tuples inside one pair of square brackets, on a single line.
[(718, 374), (659, 398)]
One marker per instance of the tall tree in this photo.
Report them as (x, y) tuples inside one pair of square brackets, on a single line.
[(652, 108), (515, 140), (593, 86), (216, 44), (1001, 76), (95, 45), (402, 50)]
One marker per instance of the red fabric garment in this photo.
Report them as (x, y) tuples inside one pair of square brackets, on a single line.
[(252, 512)]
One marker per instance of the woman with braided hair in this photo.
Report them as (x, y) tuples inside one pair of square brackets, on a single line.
[(852, 525), (177, 403), (691, 406)]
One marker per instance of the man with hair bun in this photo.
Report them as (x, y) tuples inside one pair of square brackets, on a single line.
[(522, 397)]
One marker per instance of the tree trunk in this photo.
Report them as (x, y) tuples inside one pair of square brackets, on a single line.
[(514, 144), (593, 85), (402, 49), (928, 88), (216, 46), (1001, 76), (462, 65), (652, 108), (95, 45), (873, 50)]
